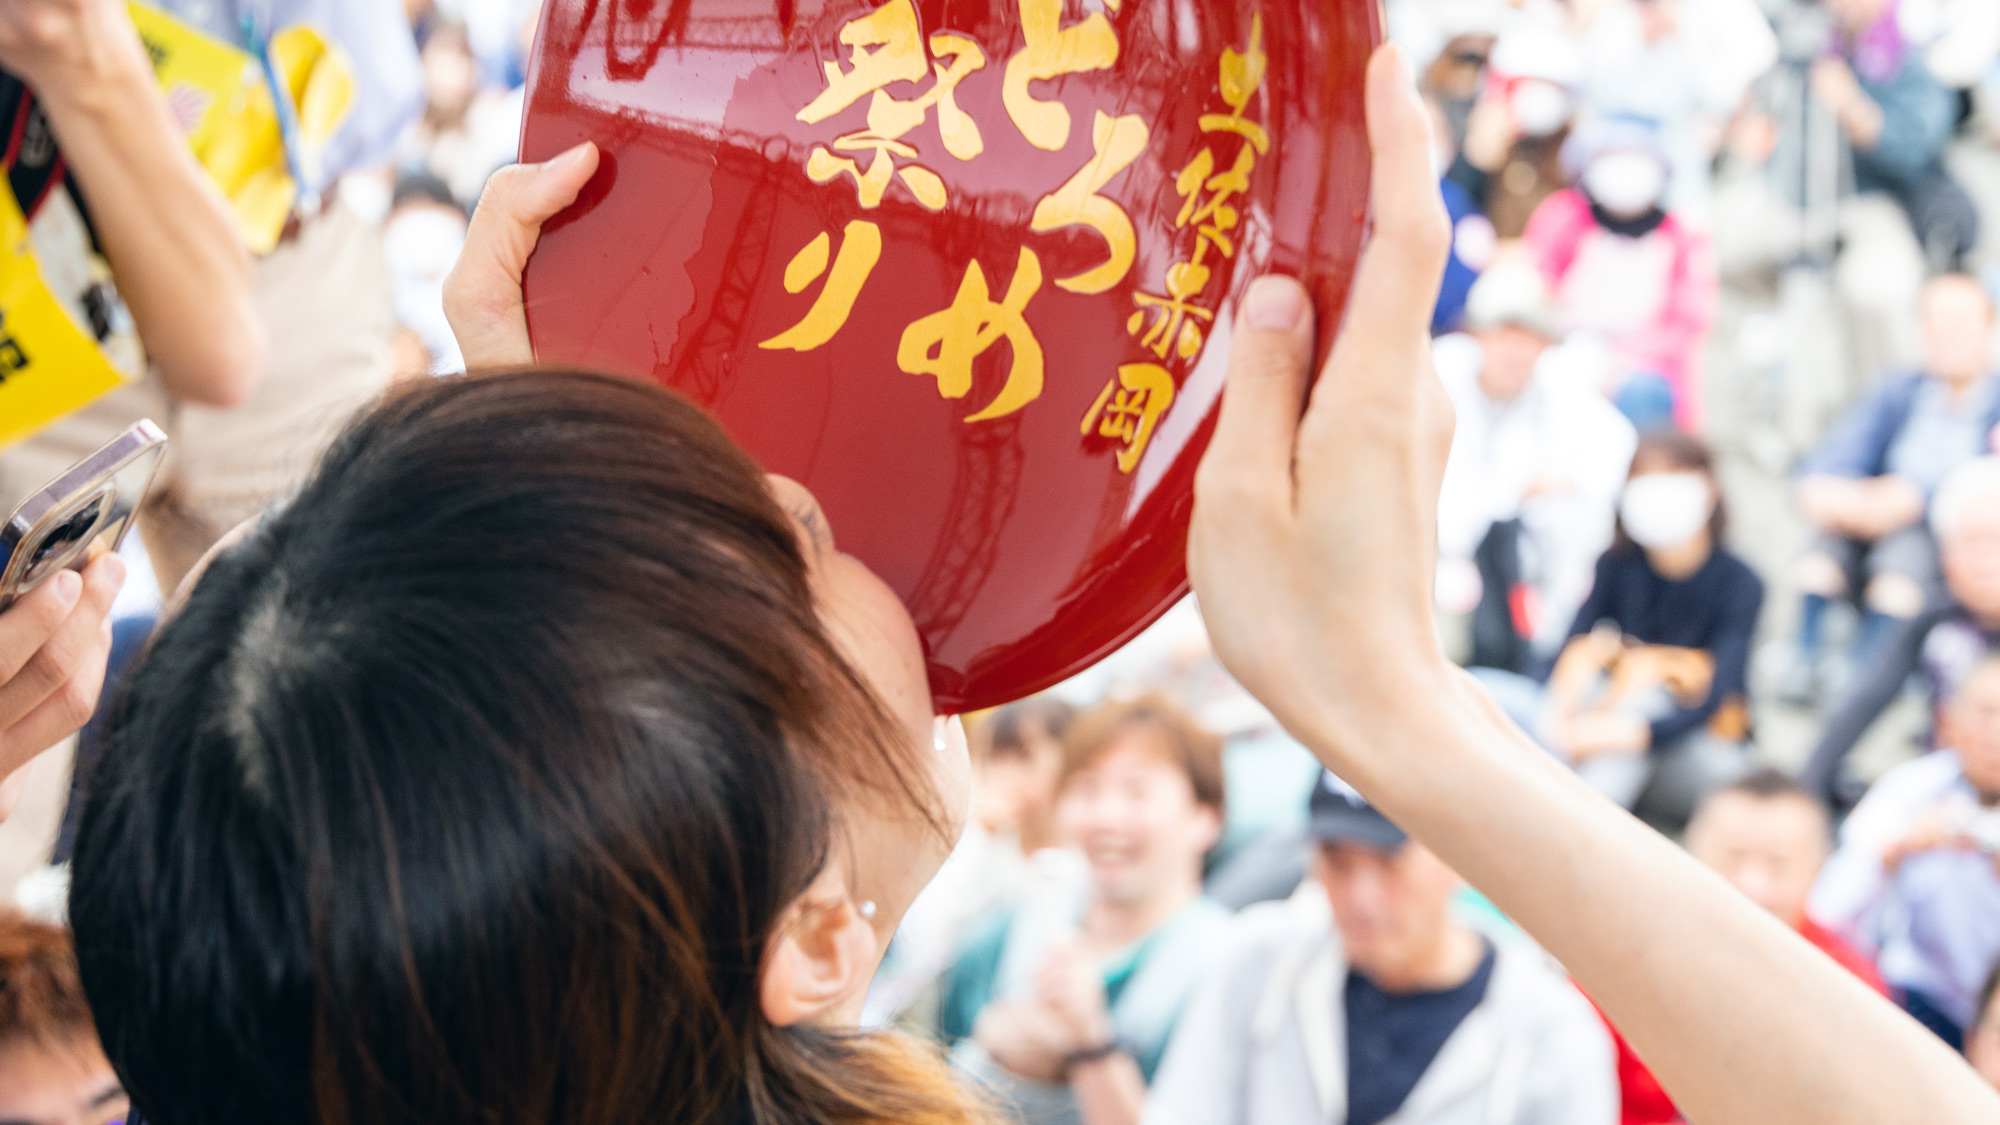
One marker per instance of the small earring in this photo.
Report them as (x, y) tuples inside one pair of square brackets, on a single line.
[(938, 741), (867, 908)]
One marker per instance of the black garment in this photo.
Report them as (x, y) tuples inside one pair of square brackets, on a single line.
[(35, 169), (1714, 610), (34, 165), (1393, 1038), (1895, 661), (1933, 1019), (1638, 226), (1496, 641)]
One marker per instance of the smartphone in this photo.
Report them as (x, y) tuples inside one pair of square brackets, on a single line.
[(82, 514)]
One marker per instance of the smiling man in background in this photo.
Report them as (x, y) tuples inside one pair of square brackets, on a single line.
[(1064, 1005)]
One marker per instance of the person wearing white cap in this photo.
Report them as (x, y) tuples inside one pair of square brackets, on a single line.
[(1536, 466)]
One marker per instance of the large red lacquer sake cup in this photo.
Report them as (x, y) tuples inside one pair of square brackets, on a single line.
[(967, 269)]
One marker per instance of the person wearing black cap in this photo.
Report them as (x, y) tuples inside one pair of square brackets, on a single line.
[(1390, 1010)]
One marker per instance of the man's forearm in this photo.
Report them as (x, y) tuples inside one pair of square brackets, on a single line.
[(173, 244), (1894, 503), (1828, 501)]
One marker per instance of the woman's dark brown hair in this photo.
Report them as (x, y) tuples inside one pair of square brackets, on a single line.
[(471, 786), (1672, 451)]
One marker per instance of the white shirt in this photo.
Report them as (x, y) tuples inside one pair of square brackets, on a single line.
[(1263, 1042), (1854, 880), (1935, 920), (1559, 428)]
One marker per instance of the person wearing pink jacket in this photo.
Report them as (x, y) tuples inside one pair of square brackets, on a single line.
[(1629, 272)]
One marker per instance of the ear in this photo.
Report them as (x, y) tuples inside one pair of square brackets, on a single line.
[(1317, 866), (821, 957), (1208, 827), (1947, 727)]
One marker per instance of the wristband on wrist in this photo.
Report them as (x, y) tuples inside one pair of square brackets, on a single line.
[(1089, 1055)]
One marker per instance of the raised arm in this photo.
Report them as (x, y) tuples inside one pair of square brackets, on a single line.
[(1311, 551), (169, 236)]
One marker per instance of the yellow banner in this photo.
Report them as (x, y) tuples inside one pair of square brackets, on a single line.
[(220, 96), (48, 366)]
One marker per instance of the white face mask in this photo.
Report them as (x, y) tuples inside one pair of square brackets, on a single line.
[(1627, 184), (1540, 108), (1663, 510)]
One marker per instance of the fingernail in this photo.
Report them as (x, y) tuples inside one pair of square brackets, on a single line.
[(1392, 54), (1274, 304), (571, 158), (115, 567), (68, 587)]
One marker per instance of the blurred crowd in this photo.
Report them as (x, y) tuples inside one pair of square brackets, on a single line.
[(1719, 325), (1711, 258)]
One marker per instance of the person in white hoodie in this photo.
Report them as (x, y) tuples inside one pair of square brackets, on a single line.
[(1385, 1008), (1537, 462)]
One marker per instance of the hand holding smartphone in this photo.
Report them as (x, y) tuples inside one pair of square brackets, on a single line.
[(80, 516), (54, 636)]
